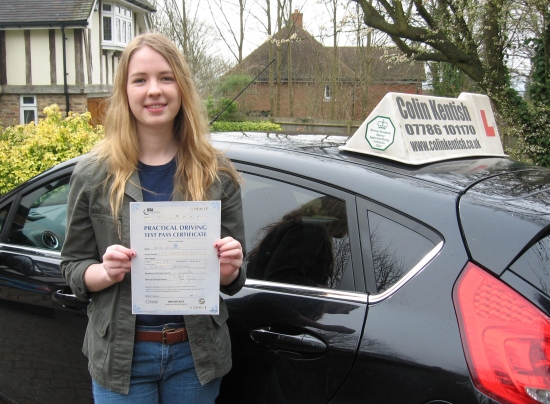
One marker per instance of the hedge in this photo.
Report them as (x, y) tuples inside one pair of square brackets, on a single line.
[(247, 126), (27, 150)]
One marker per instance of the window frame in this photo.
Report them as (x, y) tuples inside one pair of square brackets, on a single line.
[(107, 14), (327, 93), (23, 107), (10, 205), (28, 224), (121, 18)]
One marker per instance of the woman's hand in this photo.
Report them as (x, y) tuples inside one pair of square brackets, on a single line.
[(117, 261), (230, 254)]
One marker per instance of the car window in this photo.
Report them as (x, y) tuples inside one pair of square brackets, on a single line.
[(534, 265), (396, 249), (41, 217), (294, 235), (3, 215)]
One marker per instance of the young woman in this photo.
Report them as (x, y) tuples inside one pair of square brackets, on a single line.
[(155, 149)]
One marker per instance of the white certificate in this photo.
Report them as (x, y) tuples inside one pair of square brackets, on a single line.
[(176, 269)]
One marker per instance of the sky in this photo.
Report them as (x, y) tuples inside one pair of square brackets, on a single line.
[(315, 18)]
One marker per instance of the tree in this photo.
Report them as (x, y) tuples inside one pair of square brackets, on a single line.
[(447, 80), (539, 85), (222, 98), (476, 38), (179, 21), (267, 25), (231, 35), (278, 45)]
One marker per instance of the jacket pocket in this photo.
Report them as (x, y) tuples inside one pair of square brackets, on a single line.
[(97, 335), (221, 333)]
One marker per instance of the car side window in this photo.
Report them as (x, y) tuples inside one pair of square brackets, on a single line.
[(41, 217), (294, 235), (534, 265), (394, 246), (396, 249)]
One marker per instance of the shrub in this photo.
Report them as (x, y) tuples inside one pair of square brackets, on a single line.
[(214, 108), (248, 126), (27, 150)]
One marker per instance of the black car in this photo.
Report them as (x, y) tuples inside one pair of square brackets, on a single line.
[(369, 281)]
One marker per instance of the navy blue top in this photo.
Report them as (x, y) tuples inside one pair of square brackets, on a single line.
[(157, 183)]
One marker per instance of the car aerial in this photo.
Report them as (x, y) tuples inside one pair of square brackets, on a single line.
[(407, 264)]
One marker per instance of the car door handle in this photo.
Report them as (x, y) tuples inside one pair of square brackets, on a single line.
[(68, 299), (303, 343)]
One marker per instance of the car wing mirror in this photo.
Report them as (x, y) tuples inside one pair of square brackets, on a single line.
[(20, 263)]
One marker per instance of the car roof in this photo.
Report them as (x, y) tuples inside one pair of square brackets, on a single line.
[(458, 174)]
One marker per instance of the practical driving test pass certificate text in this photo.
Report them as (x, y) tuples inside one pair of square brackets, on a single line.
[(176, 269)]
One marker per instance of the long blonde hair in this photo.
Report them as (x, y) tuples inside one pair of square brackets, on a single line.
[(197, 160)]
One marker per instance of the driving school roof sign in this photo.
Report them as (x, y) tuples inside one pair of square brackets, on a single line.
[(419, 129)]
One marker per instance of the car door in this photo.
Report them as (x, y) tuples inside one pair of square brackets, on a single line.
[(41, 358), (296, 325)]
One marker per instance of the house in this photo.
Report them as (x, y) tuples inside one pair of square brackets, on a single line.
[(378, 71), (310, 80), (63, 52)]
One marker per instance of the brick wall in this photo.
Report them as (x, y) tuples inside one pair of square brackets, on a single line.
[(351, 102), (10, 103), (9, 109)]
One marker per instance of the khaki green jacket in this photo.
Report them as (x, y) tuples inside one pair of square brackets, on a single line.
[(109, 339)]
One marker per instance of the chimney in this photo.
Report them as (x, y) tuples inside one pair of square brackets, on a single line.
[(296, 18)]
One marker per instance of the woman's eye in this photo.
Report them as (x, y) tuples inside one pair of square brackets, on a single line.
[(167, 79)]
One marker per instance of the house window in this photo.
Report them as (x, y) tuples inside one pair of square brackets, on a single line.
[(117, 23), (107, 22), (28, 111), (328, 94), (107, 28)]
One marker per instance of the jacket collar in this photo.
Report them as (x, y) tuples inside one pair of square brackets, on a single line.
[(133, 187)]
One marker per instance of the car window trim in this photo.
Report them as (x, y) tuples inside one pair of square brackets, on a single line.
[(322, 293), (423, 263), (43, 252), (14, 201)]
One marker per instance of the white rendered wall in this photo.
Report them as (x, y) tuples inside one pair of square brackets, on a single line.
[(96, 49), (40, 57), (69, 44), (15, 58)]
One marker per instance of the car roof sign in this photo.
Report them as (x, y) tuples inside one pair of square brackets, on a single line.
[(419, 129)]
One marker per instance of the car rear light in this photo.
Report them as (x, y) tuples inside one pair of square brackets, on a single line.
[(506, 339)]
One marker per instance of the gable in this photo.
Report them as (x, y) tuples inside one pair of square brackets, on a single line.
[(311, 61)]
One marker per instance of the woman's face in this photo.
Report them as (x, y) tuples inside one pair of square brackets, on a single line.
[(153, 92)]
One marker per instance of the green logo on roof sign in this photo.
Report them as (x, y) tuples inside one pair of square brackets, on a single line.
[(380, 133)]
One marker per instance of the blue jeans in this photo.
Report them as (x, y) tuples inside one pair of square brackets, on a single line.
[(161, 374)]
